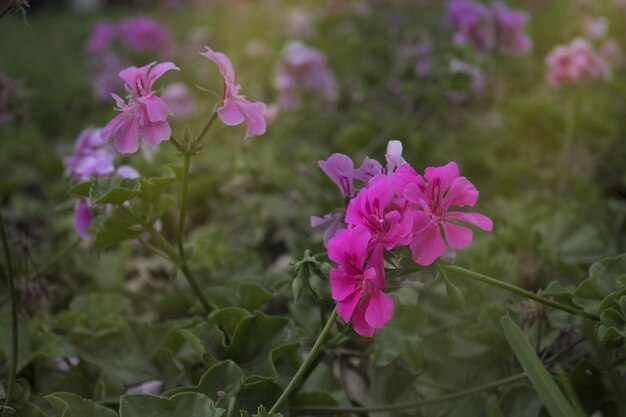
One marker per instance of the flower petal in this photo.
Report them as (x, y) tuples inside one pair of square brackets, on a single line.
[(230, 114), (254, 113), (475, 219), (154, 133), (359, 323), (82, 219), (444, 174), (461, 193), (379, 310), (156, 108), (112, 126), (427, 246), (126, 137), (458, 237), (346, 307), (341, 285)]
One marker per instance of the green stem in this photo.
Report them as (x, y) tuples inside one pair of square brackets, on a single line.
[(14, 328), (56, 259), (182, 215), (307, 362), (418, 404), (206, 127), (520, 291)]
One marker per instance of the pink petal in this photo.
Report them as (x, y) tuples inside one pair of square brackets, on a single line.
[(126, 137), (475, 219), (112, 126), (230, 113), (224, 64), (461, 193), (345, 308), (82, 219), (445, 174), (458, 237), (427, 246), (154, 133), (413, 193), (421, 221), (254, 113), (159, 69), (377, 266), (359, 323), (130, 74), (379, 310), (341, 285), (156, 108)]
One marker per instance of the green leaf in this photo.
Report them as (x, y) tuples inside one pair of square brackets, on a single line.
[(603, 282), (224, 376), (114, 227), (81, 189), (114, 190), (553, 399), (70, 405), (187, 404), (399, 339)]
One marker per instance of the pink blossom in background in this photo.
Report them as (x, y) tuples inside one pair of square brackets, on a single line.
[(102, 34), (489, 27), (126, 171), (144, 33), (356, 283), (104, 78), (334, 222), (340, 169), (236, 109), (432, 196), (576, 62), (91, 158), (83, 216), (595, 27), (178, 99), (509, 28), (302, 68), (473, 79), (388, 219), (144, 116), (611, 52)]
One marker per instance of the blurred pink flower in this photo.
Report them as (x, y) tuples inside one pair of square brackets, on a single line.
[(236, 109), (595, 27), (104, 67), (475, 81), (144, 116), (576, 62), (178, 99), (355, 285), (433, 196), (144, 33), (611, 52), (102, 34), (83, 216), (91, 158), (302, 68), (510, 35)]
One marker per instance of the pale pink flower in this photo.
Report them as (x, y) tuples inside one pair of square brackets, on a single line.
[(236, 109), (178, 99), (102, 34), (473, 24), (303, 69), (144, 116), (576, 62), (509, 27), (91, 158), (595, 27), (432, 197), (144, 33), (356, 285)]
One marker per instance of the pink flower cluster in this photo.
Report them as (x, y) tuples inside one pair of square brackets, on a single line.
[(489, 27), (92, 158), (140, 33), (396, 207), (303, 69), (576, 62)]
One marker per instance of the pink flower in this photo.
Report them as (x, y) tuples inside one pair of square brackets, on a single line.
[(433, 196), (388, 219), (473, 25), (356, 286), (595, 27), (510, 24), (144, 33), (91, 158), (82, 219), (144, 117), (302, 68), (340, 170), (178, 99), (102, 34), (236, 108), (576, 62), (335, 224)]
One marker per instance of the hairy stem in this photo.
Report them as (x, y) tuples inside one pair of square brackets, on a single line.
[(418, 404), (310, 359), (520, 291), (14, 329)]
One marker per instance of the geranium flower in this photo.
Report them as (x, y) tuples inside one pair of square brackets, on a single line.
[(433, 196), (388, 219), (355, 285), (340, 169), (144, 117), (510, 24), (91, 158), (576, 62), (236, 109)]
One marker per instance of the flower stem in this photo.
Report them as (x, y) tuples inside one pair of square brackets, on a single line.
[(14, 328), (307, 362), (520, 291), (182, 215), (206, 127), (418, 404)]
